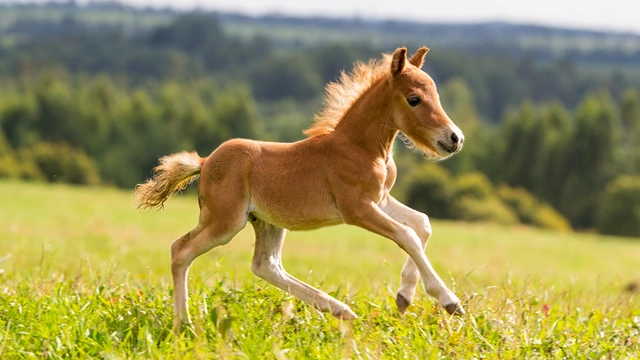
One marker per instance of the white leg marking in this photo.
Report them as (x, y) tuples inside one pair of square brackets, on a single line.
[(267, 264)]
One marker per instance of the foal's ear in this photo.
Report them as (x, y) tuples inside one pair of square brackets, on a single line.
[(398, 61), (417, 59)]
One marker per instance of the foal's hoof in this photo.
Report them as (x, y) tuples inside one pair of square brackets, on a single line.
[(180, 326), (345, 314), (402, 303), (454, 309)]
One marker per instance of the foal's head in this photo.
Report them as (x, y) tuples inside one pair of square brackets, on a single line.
[(417, 111)]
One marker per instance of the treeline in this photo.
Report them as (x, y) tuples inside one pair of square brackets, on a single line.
[(196, 45), (580, 161), (100, 108), (92, 131), (542, 157)]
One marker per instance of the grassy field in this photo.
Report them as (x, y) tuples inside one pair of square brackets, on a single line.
[(83, 275)]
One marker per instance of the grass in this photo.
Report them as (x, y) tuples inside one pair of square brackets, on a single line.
[(83, 275)]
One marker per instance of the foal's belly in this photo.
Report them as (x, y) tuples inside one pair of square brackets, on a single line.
[(289, 188), (294, 206), (293, 221)]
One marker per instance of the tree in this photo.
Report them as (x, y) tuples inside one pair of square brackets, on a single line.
[(522, 136), (62, 163), (548, 166), (331, 59), (590, 160), (57, 118), (429, 189), (630, 116), (459, 103), (619, 213), (288, 76), (237, 114), (97, 104), (18, 122)]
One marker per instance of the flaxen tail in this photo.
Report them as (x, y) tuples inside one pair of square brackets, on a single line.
[(174, 173)]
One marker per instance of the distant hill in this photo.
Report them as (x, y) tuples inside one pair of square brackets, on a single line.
[(467, 35), (21, 21)]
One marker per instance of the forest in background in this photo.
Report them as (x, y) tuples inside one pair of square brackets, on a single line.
[(95, 94)]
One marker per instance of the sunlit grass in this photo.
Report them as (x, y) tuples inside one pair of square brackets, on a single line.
[(82, 274)]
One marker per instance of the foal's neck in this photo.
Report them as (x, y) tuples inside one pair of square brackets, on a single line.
[(369, 123)]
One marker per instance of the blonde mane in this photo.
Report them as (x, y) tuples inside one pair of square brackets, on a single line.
[(340, 95)]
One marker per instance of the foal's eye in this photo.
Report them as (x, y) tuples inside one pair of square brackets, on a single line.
[(413, 100)]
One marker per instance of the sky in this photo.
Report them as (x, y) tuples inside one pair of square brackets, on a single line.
[(618, 15)]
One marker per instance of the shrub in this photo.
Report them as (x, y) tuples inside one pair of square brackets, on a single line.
[(12, 166), (429, 189), (471, 197), (491, 209), (9, 167), (474, 185), (619, 211), (531, 211), (520, 201), (62, 163), (475, 200), (548, 218)]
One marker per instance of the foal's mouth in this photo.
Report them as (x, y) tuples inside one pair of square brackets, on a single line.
[(450, 150)]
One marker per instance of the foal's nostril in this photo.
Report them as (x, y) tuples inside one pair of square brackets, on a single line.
[(454, 138)]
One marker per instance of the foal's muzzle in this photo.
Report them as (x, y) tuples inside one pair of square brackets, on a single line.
[(453, 143)]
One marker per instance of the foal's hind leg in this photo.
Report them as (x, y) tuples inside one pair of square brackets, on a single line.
[(267, 264), (204, 237)]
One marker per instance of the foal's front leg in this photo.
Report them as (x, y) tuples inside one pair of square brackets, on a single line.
[(370, 216), (419, 222), (267, 264)]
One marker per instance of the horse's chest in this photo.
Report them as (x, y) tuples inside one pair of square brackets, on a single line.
[(391, 176), (387, 177)]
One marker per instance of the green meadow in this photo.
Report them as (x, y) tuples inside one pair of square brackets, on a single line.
[(83, 274)]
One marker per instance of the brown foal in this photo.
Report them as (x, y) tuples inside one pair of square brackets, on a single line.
[(341, 173)]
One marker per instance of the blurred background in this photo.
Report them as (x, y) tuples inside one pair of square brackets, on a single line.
[(547, 93)]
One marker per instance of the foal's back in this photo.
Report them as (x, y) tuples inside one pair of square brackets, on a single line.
[(284, 184)]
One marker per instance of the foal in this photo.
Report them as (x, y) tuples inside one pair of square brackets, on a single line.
[(341, 173)]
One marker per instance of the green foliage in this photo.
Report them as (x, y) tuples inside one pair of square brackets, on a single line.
[(62, 163), (530, 210), (124, 132), (523, 135), (630, 110), (490, 210), (472, 197), (5, 147), (287, 76), (562, 161), (9, 166), (549, 164), (520, 201), (12, 165), (429, 189), (619, 212), (126, 98), (548, 218), (18, 120), (590, 160), (460, 104), (331, 59), (475, 200), (474, 185), (630, 116), (238, 113)]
